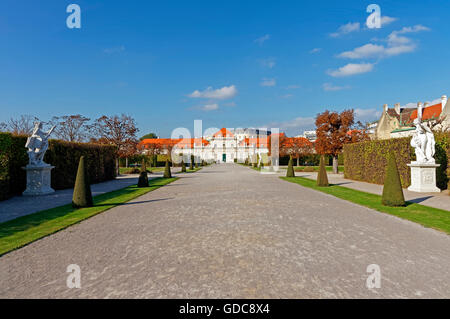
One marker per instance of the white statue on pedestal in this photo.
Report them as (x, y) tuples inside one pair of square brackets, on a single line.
[(37, 145), (423, 170), (38, 172), (423, 143)]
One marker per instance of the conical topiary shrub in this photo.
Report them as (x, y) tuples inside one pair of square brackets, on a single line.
[(183, 167), (191, 164), (143, 179), (322, 178), (290, 169), (82, 196), (143, 166), (392, 190), (167, 172)]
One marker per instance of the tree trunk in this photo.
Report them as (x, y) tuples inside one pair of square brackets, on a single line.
[(335, 164), (298, 161), (126, 162), (117, 166)]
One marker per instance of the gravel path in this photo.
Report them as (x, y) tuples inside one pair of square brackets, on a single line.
[(24, 205), (228, 231)]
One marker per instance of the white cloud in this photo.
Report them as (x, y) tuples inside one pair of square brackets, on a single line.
[(351, 69), (413, 105), (377, 51), (225, 93), (395, 39), (113, 50), (345, 29), (330, 87), (385, 20), (262, 39), (294, 127), (414, 29), (268, 82), (367, 115), (293, 87), (231, 104), (268, 63), (210, 107), (396, 45), (315, 50), (287, 96)]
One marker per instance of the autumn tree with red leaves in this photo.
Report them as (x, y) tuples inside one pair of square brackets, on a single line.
[(295, 147), (336, 129)]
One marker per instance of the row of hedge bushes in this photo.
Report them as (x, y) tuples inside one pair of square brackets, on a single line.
[(367, 161), (101, 161)]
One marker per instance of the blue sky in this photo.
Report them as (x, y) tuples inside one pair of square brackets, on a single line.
[(230, 64)]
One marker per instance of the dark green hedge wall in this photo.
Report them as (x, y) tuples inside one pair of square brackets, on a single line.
[(63, 155), (367, 161), (442, 157)]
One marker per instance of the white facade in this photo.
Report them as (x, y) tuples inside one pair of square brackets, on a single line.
[(221, 147)]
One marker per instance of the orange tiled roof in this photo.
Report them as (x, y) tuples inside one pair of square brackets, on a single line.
[(428, 113), (223, 132), (180, 142)]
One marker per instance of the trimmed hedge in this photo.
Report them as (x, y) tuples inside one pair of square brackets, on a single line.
[(367, 161), (63, 155)]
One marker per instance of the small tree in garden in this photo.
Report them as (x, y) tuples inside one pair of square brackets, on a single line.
[(191, 164), (119, 131), (290, 170), (392, 190), (82, 195), (143, 178), (336, 129), (183, 167), (167, 172), (72, 128), (322, 178)]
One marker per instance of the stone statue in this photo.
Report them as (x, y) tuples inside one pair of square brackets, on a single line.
[(423, 143), (37, 145)]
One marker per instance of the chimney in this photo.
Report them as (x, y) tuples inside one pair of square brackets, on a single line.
[(385, 108), (419, 111), (397, 108), (444, 101)]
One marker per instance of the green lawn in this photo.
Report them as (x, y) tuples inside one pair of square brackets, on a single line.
[(24, 230), (193, 170), (427, 216), (315, 168), (129, 170)]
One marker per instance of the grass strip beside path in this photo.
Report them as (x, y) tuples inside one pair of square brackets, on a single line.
[(431, 217), (26, 229)]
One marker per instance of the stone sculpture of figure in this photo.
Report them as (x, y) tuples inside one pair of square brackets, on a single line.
[(37, 145), (423, 143)]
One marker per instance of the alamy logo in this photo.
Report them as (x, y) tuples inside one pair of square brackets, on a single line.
[(374, 19), (374, 279), (74, 19), (74, 279)]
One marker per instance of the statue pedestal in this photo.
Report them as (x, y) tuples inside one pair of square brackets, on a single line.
[(38, 180), (423, 178)]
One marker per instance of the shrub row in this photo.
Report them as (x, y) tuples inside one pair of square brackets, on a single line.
[(65, 156), (367, 161)]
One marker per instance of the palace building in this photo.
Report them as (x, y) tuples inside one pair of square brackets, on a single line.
[(224, 146)]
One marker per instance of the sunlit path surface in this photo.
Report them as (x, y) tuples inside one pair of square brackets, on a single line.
[(229, 232)]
